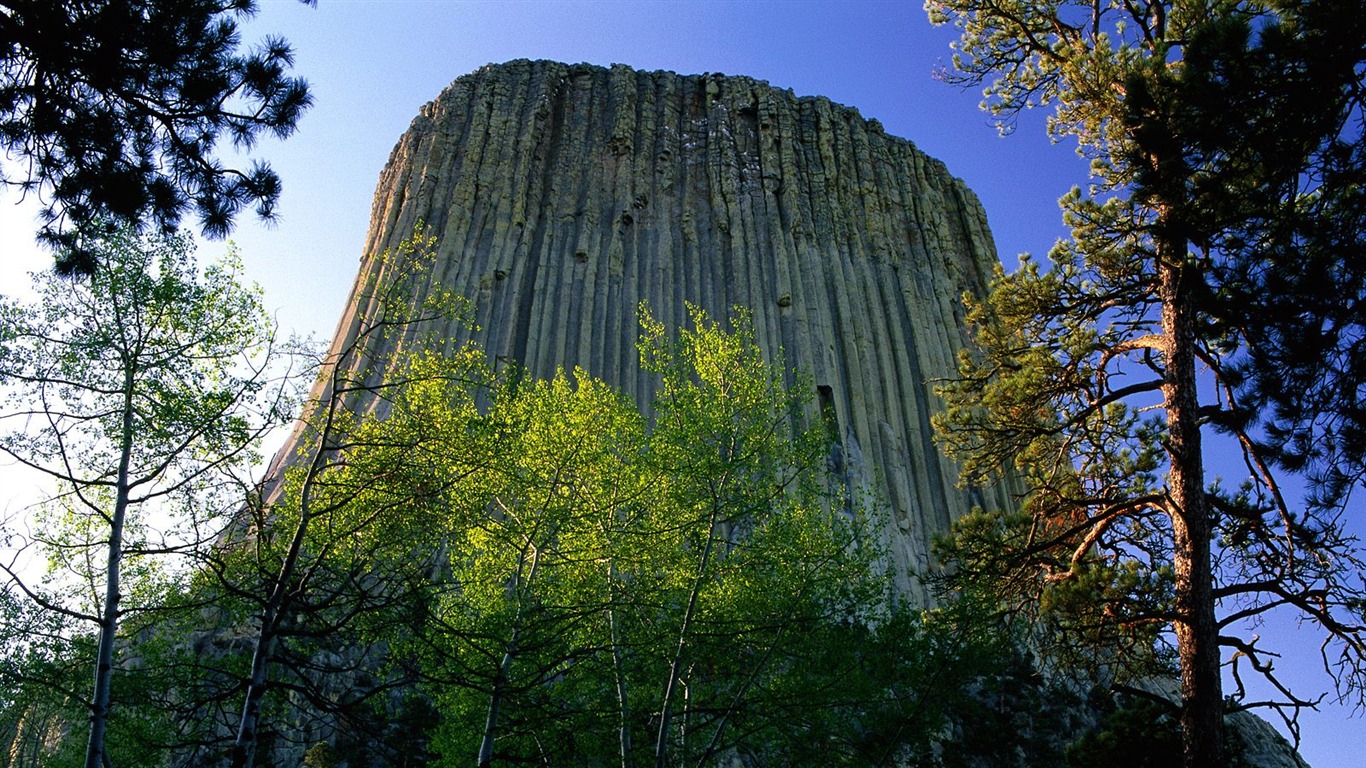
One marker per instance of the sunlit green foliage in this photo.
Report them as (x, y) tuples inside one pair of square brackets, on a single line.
[(138, 393), (595, 564), (553, 571), (466, 564), (297, 567)]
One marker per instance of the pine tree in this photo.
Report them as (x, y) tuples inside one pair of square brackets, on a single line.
[(1218, 251), (112, 109)]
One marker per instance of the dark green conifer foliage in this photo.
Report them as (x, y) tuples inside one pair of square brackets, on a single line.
[(112, 109), (1211, 290)]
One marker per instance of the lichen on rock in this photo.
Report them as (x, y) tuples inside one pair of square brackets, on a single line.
[(564, 195)]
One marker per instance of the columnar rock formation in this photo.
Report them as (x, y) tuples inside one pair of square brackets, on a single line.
[(564, 195)]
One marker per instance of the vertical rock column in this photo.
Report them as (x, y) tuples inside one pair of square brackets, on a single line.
[(564, 195)]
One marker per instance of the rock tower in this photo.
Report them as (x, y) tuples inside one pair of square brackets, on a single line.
[(562, 196)]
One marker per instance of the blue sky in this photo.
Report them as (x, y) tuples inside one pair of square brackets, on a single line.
[(373, 63)]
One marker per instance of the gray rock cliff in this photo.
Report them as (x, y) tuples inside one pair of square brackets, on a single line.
[(564, 195)]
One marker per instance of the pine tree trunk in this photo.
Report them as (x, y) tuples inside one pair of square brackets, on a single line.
[(1197, 634)]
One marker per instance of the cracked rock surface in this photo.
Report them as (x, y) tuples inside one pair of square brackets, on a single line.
[(564, 195)]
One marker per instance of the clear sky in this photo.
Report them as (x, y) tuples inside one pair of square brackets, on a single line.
[(373, 63)]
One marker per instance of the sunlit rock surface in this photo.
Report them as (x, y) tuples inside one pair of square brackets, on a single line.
[(562, 196), (565, 195)]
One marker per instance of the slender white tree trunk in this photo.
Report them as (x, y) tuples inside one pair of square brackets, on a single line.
[(95, 754), (509, 654), (619, 672), (675, 664)]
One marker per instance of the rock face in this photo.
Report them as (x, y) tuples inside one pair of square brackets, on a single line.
[(564, 195)]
